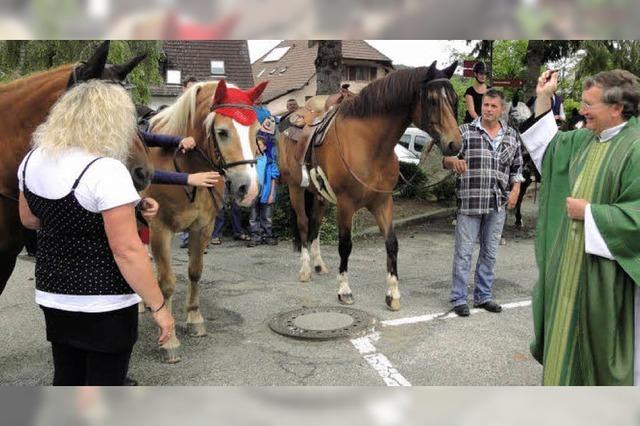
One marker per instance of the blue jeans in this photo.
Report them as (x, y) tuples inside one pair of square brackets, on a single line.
[(219, 224), (488, 228), (261, 221)]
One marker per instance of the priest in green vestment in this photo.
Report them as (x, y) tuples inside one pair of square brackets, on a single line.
[(586, 300)]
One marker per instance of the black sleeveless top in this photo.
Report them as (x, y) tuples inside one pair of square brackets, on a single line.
[(73, 256)]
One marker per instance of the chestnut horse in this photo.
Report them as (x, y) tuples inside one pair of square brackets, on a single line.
[(224, 125), (25, 104), (359, 165)]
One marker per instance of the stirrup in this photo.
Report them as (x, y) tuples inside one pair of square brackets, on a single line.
[(305, 177)]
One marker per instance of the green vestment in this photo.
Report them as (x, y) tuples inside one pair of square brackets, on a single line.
[(583, 305)]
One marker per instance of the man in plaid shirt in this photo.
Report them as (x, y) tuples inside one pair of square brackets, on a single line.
[(489, 169)]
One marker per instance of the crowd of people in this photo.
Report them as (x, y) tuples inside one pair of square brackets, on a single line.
[(76, 192)]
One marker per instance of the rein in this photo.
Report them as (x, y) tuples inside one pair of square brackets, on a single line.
[(8, 197)]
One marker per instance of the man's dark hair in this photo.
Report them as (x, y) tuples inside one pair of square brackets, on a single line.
[(619, 87), (291, 99), (188, 80), (495, 93)]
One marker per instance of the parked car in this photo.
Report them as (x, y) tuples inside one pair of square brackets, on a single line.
[(404, 155), (415, 140)]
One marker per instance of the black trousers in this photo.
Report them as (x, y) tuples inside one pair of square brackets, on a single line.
[(78, 367), (91, 348)]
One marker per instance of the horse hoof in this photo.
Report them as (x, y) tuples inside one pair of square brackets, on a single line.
[(321, 269), (346, 299), (304, 277), (170, 356), (392, 304), (196, 329)]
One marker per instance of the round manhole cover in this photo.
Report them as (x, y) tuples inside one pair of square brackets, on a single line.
[(322, 323)]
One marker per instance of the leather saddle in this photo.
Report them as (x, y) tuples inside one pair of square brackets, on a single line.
[(308, 125)]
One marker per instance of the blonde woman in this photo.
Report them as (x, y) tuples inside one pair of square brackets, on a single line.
[(91, 268)]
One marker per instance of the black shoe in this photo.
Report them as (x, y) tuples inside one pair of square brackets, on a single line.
[(253, 243), (461, 310), (490, 306), (184, 244), (128, 381), (270, 241)]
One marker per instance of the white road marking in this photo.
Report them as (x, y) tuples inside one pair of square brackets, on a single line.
[(445, 315), (389, 374)]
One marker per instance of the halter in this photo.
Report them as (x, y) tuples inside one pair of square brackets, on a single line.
[(431, 83), (223, 165)]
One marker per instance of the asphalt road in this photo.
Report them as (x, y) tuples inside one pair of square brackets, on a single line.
[(243, 288)]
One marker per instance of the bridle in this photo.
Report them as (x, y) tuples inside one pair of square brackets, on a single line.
[(219, 165), (423, 90)]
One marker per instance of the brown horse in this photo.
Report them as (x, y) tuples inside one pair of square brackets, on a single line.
[(358, 167), (25, 104), (224, 125)]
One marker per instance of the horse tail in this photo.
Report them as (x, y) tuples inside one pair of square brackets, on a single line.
[(311, 216)]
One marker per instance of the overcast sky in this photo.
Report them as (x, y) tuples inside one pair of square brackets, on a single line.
[(405, 52)]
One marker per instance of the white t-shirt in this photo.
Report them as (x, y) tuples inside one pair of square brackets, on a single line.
[(105, 185)]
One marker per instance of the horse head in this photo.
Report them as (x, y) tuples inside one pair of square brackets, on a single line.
[(437, 106), (139, 164), (231, 128), (97, 67)]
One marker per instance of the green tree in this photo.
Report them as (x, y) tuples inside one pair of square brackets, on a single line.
[(20, 58)]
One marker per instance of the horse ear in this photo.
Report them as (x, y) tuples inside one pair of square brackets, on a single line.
[(431, 71), (123, 70), (221, 93), (255, 92), (450, 69), (94, 67)]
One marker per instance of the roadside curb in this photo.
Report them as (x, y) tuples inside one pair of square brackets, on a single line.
[(408, 221)]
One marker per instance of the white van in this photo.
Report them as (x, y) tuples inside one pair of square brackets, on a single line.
[(415, 140)]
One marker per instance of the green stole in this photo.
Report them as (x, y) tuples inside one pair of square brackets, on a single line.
[(583, 304)]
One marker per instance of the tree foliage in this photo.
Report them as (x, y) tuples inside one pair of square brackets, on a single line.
[(19, 58)]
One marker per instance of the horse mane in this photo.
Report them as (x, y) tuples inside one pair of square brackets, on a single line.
[(33, 80), (394, 93), (178, 117)]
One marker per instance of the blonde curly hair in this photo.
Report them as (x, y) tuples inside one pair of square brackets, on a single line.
[(95, 116)]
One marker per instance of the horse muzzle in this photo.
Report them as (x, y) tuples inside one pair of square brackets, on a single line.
[(243, 186), (141, 177)]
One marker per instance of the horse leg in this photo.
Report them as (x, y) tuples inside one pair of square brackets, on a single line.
[(198, 241), (297, 198), (345, 221), (383, 212), (319, 208), (10, 242), (161, 249)]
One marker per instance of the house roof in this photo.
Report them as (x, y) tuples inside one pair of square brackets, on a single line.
[(193, 59), (296, 67)]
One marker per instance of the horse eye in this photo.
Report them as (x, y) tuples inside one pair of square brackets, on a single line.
[(222, 133)]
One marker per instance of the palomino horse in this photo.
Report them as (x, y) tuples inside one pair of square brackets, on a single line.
[(25, 104), (224, 125), (360, 166)]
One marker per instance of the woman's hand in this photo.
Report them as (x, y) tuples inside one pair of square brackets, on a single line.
[(149, 207), (164, 320), (187, 144), (205, 179)]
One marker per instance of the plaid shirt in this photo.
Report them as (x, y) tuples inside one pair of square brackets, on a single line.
[(485, 186)]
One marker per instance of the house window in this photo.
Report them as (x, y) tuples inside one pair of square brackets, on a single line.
[(276, 54), (174, 77), (359, 73), (217, 67)]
